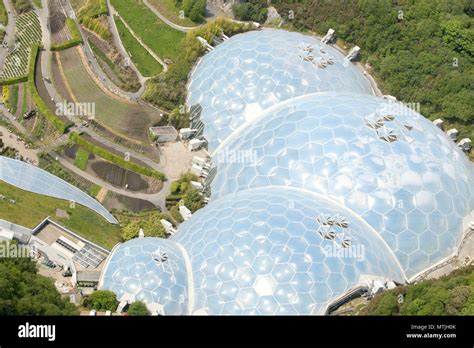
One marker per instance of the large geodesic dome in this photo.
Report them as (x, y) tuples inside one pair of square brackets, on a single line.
[(151, 270), (266, 251), (380, 159), (254, 71), (317, 187)]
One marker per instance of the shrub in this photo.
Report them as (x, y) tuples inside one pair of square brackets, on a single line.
[(193, 200), (138, 309), (102, 300), (150, 224), (175, 186), (174, 212), (255, 10), (97, 27)]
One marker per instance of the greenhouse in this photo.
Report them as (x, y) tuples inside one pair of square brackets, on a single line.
[(33, 179), (342, 189)]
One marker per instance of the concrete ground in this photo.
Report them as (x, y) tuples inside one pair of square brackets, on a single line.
[(11, 140), (176, 158)]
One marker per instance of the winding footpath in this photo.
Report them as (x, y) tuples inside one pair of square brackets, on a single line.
[(167, 21)]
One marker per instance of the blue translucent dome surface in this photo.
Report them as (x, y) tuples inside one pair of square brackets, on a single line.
[(36, 180), (264, 251), (251, 72), (385, 162), (152, 270)]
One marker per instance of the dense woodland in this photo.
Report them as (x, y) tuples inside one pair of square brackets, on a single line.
[(24, 292), (449, 295), (420, 51)]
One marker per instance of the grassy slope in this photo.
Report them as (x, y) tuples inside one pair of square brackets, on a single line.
[(145, 63), (163, 40), (30, 209), (168, 9)]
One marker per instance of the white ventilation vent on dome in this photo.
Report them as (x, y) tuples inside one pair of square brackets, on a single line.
[(335, 228), (160, 256)]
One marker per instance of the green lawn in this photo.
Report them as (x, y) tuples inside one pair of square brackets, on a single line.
[(30, 209), (145, 63), (82, 157), (168, 9), (165, 41)]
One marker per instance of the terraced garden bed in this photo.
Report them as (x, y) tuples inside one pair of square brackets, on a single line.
[(57, 20), (28, 33), (128, 119)]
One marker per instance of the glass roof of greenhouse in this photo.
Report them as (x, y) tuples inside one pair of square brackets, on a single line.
[(36, 180), (253, 71), (320, 187)]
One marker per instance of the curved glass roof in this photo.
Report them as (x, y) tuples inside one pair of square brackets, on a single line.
[(320, 187), (383, 161), (36, 180), (152, 270), (280, 251), (251, 72)]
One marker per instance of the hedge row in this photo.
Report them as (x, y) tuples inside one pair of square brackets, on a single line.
[(14, 80), (101, 152), (76, 37), (42, 107)]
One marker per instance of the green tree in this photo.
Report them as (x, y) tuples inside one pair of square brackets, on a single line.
[(103, 300), (179, 119), (198, 11), (254, 10), (449, 295), (138, 309), (24, 292), (193, 200)]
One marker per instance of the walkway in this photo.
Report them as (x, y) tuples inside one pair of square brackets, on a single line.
[(167, 21)]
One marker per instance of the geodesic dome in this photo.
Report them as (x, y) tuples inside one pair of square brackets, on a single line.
[(382, 160), (268, 251), (254, 71), (151, 270), (317, 188)]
